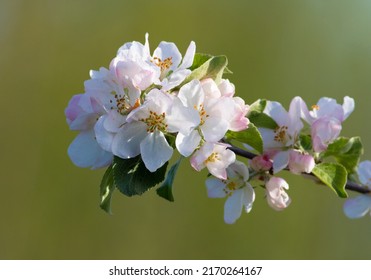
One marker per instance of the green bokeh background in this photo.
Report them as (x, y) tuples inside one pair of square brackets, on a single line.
[(276, 49)]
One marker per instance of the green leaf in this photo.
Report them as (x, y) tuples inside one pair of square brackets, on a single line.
[(199, 59), (107, 186), (306, 142), (333, 175), (257, 117), (346, 151), (165, 190), (133, 178), (212, 68), (250, 136)]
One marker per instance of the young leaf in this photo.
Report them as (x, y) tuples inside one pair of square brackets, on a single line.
[(333, 175), (257, 117), (250, 136), (347, 152), (199, 59), (133, 178), (212, 68), (107, 186), (306, 142), (165, 190)]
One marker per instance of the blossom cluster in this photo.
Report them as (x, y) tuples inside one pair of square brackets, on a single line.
[(147, 104)]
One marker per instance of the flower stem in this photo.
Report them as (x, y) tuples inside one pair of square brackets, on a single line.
[(350, 185)]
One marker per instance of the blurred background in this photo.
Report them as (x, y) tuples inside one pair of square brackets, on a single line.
[(276, 49)]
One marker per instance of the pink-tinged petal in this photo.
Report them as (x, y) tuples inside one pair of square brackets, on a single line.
[(357, 207), (181, 118), (103, 137), (239, 122), (167, 50), (261, 163), (364, 173), (200, 156), (215, 188), (299, 162), (155, 151), (189, 56), (73, 109), (224, 159), (233, 207), (84, 151), (280, 161), (324, 131), (191, 94), (348, 106), (277, 113), (300, 105), (295, 112), (248, 197), (210, 88), (126, 143), (114, 121), (328, 107), (186, 144), (227, 89), (214, 129)]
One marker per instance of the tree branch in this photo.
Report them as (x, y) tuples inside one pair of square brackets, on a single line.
[(350, 185)]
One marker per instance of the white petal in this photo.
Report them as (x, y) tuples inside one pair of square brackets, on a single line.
[(233, 207), (280, 161), (126, 143), (364, 173), (104, 137), (248, 197), (181, 118), (175, 79), (191, 94), (348, 106), (84, 151), (155, 151), (210, 88), (166, 50), (276, 112), (186, 144), (215, 188), (268, 138), (214, 129), (189, 56), (114, 121), (357, 207)]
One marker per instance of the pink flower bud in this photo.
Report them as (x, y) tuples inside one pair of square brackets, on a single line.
[(299, 162), (261, 163), (277, 198)]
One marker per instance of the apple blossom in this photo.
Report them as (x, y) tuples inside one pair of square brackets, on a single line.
[(240, 194), (216, 157)]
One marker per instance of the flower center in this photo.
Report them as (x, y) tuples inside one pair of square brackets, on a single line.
[(212, 158), (122, 104), (315, 107), (163, 64), (202, 112), (155, 122), (280, 134)]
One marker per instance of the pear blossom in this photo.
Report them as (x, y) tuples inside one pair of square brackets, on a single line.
[(81, 114), (361, 205), (240, 194), (277, 198), (280, 141), (216, 157), (325, 119)]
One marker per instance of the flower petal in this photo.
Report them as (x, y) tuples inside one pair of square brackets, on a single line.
[(84, 151), (155, 150), (186, 144), (357, 207), (233, 207), (348, 106), (214, 129), (215, 188), (276, 111), (168, 50), (280, 161), (189, 56), (103, 137), (191, 94), (126, 143), (248, 197)]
